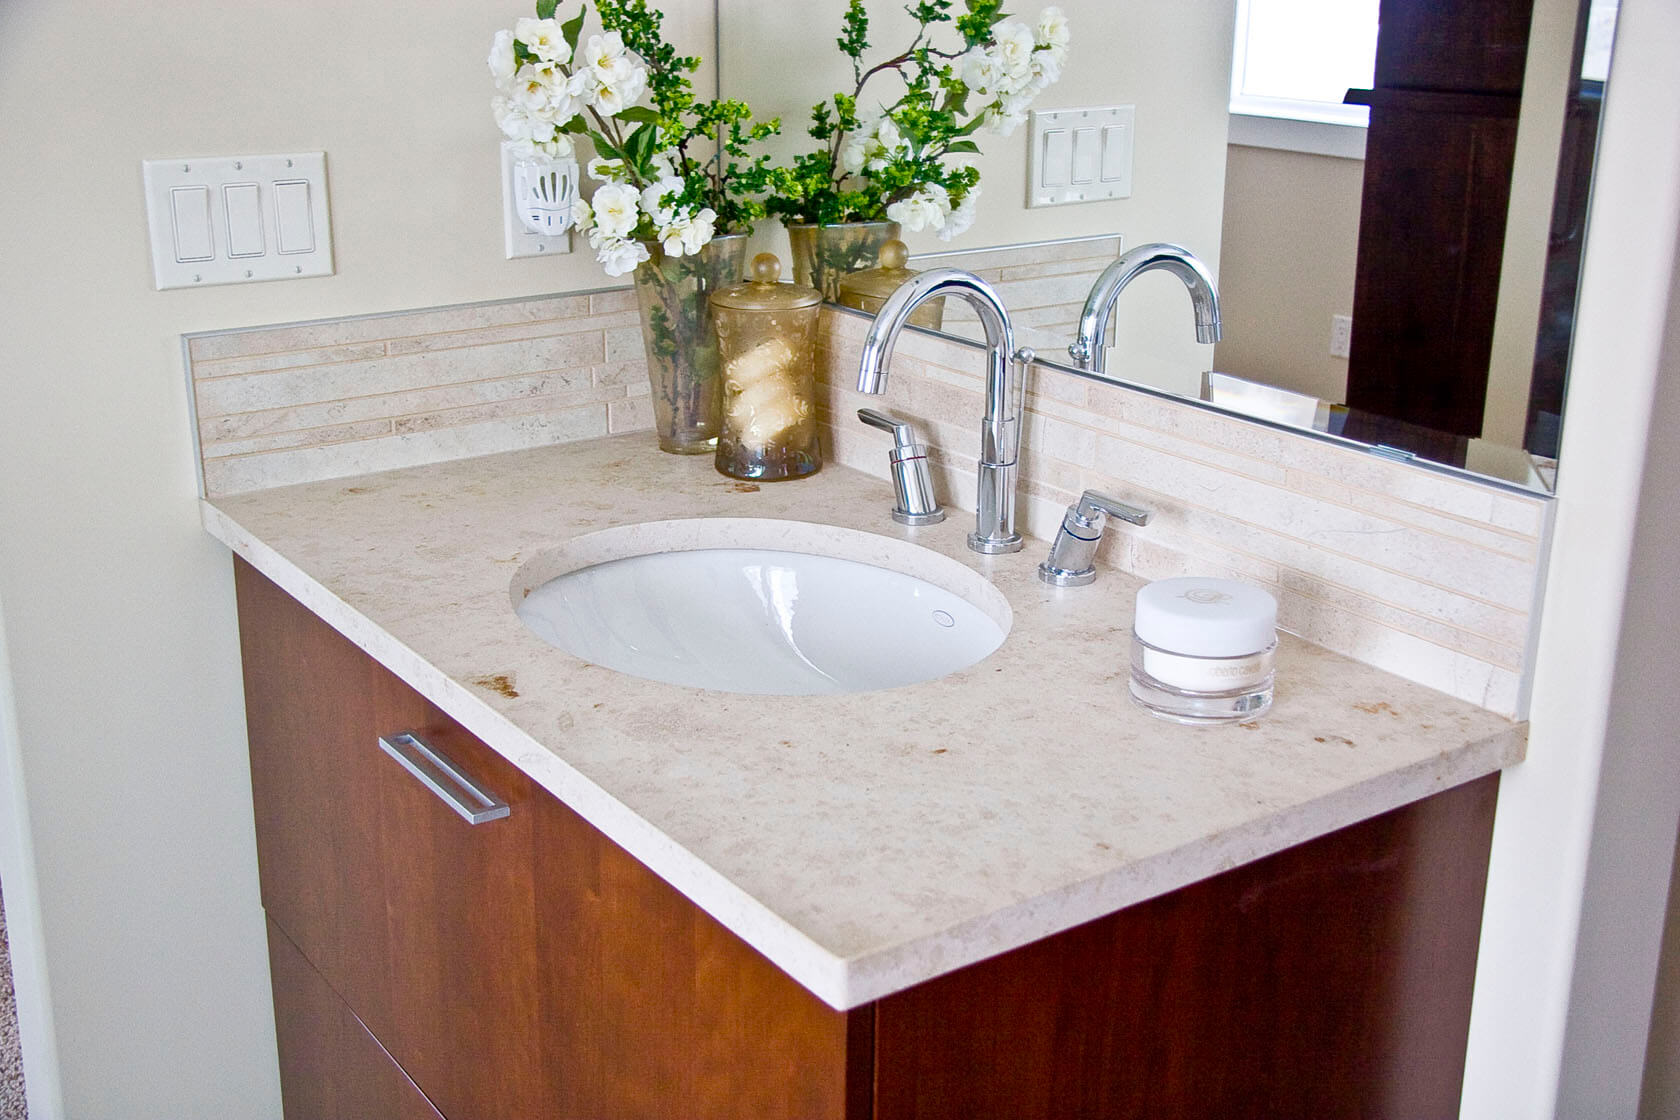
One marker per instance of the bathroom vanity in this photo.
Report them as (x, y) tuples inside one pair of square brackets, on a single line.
[(1007, 892)]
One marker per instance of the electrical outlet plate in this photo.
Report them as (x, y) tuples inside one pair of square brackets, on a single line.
[(1341, 336), (1079, 155), (517, 241)]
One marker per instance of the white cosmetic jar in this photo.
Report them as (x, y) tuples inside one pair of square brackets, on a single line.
[(1202, 649)]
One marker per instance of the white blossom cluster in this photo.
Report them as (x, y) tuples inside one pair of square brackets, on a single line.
[(930, 208), (535, 100), (1019, 64), (1012, 68), (873, 144), (618, 209)]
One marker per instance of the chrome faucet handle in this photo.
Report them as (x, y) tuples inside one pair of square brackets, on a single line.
[(1071, 554), (907, 462)]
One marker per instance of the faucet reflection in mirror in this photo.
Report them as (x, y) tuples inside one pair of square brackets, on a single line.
[(1000, 429), (1089, 349)]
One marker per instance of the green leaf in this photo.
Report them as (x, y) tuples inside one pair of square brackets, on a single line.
[(572, 28), (605, 148), (962, 146), (638, 114), (545, 8)]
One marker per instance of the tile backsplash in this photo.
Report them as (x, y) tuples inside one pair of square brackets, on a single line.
[(306, 401), (1426, 574), (1044, 285)]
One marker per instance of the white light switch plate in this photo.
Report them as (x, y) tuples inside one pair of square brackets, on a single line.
[(517, 241), (237, 219), (1079, 155)]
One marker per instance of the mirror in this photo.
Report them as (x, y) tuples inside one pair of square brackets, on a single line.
[(1284, 231)]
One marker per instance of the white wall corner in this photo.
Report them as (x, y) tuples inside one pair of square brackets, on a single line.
[(1571, 928), (24, 936)]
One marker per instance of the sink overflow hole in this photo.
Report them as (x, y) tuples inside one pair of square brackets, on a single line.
[(944, 619)]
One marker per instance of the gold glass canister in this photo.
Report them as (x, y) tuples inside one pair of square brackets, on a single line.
[(869, 289), (767, 355)]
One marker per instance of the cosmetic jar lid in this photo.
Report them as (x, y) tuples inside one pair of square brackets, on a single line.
[(1204, 617)]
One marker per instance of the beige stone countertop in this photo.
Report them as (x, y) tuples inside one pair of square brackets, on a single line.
[(863, 842)]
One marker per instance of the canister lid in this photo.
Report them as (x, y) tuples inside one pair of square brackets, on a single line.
[(881, 281), (763, 292), (1203, 617)]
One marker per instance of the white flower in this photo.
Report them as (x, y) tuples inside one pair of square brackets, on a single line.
[(559, 147), (854, 153), (612, 97), (606, 170), (583, 217), (926, 209), (686, 234), (501, 58), (1046, 68), (513, 122), (604, 54), (654, 200), (891, 142), (615, 210), (1014, 48), (962, 217), (1052, 29), (982, 72), (542, 38), (1008, 114), (619, 256), (541, 91), (873, 144)]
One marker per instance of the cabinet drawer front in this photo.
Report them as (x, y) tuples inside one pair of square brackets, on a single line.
[(331, 1068), (523, 967)]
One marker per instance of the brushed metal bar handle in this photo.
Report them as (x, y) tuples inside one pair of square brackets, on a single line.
[(444, 777)]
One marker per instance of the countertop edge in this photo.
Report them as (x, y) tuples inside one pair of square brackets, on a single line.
[(882, 974), (845, 983)]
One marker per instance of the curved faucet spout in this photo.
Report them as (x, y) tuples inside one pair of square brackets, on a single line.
[(1089, 349), (1000, 431)]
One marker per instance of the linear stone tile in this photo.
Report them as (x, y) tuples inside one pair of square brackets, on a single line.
[(340, 460), (315, 384), (453, 340), (302, 336), (246, 424)]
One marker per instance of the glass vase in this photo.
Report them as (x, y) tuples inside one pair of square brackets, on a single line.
[(825, 255), (678, 332)]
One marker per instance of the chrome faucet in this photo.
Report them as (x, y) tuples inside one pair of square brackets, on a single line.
[(1000, 430), (1090, 346)]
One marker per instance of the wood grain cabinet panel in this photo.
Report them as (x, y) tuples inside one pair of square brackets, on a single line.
[(529, 969), (331, 1067)]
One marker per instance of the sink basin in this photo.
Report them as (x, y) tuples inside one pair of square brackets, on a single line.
[(758, 606)]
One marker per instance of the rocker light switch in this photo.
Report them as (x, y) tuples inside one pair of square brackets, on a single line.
[(1080, 155), (237, 219)]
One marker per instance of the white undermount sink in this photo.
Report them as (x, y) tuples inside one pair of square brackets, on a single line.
[(759, 606)]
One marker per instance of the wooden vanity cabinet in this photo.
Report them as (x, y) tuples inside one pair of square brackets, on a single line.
[(527, 968)]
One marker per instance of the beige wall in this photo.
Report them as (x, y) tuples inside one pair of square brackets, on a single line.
[(1172, 61), (1287, 256), (118, 608)]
